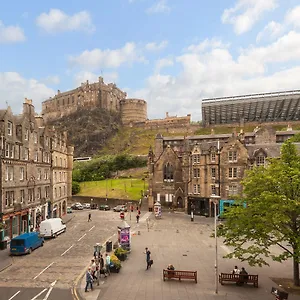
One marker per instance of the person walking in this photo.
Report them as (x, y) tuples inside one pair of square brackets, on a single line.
[(89, 280), (93, 269), (148, 258), (90, 217), (107, 263), (137, 218)]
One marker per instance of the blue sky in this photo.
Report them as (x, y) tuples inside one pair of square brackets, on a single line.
[(172, 53)]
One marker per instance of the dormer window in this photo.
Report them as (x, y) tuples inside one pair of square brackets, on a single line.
[(213, 157), (26, 134), (9, 128), (260, 160)]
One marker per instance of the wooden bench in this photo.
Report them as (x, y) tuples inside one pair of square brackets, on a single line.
[(239, 279), (180, 274)]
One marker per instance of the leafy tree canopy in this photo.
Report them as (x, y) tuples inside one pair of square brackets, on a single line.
[(272, 215)]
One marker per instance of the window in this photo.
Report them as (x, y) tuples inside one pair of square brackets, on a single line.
[(22, 196), (9, 150), (39, 174), (55, 177), (26, 134), (47, 141), (260, 160), (22, 173), (213, 157), (232, 190), (35, 138), (56, 161), (31, 195), (65, 163), (232, 156), (47, 191), (168, 172), (213, 190), (232, 173), (196, 188), (64, 190), (55, 192), (213, 172), (59, 191), (196, 173), (9, 198), (9, 173), (61, 162), (26, 153), (39, 193), (196, 158), (36, 156), (9, 128), (60, 176)]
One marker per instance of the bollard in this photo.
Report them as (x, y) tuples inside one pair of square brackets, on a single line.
[(139, 233), (192, 216)]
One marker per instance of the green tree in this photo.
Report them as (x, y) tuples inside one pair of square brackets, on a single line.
[(272, 215), (75, 187)]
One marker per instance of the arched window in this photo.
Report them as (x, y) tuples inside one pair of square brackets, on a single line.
[(168, 172)]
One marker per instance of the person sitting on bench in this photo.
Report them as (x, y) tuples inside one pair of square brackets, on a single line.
[(243, 277), (170, 267)]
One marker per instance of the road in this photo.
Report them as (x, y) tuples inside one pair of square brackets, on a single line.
[(50, 271)]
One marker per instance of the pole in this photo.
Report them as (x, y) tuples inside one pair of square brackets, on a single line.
[(216, 241), (106, 191)]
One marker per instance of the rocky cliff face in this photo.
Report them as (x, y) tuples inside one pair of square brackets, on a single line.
[(89, 129)]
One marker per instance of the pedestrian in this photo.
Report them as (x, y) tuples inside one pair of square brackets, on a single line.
[(139, 212), (102, 268), (93, 269), (148, 258), (137, 218), (107, 263), (236, 270), (90, 217), (89, 280)]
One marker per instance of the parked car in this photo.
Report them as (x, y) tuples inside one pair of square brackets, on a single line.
[(119, 208), (52, 227), (77, 206), (94, 206), (69, 210), (86, 205), (104, 207), (26, 243)]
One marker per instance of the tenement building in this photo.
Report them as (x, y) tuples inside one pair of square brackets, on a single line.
[(36, 171), (193, 170)]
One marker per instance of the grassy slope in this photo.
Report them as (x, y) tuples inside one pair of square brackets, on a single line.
[(124, 188)]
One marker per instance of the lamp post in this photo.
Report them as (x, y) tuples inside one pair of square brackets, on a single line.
[(106, 191), (215, 199)]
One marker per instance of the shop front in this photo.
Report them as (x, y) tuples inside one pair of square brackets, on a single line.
[(199, 205)]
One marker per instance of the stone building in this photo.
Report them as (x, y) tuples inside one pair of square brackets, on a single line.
[(91, 95), (193, 169), (28, 151)]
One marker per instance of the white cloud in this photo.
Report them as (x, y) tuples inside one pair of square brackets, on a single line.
[(51, 80), (207, 44), (83, 76), (58, 21), (156, 46), (161, 6), (97, 58), (293, 16), (14, 88), (246, 13), (11, 34), (217, 73), (270, 31), (162, 63)]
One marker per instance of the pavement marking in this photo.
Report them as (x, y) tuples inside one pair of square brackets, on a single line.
[(13, 296), (43, 271), (91, 228), (39, 294), (81, 237), (50, 290), (67, 250)]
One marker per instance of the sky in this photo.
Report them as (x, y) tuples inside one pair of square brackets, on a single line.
[(172, 53)]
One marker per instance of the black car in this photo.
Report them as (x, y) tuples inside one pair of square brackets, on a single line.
[(104, 207)]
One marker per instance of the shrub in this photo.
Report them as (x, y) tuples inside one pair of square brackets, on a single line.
[(115, 261), (121, 254)]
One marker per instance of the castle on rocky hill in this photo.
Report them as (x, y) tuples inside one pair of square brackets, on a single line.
[(108, 96)]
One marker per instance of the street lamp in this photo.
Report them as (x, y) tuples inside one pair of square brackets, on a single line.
[(215, 199)]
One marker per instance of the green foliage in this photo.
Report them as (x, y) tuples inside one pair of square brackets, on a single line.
[(272, 215), (121, 253), (116, 262), (296, 138), (103, 167), (75, 187)]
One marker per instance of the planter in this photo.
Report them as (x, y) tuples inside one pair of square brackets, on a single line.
[(114, 269), (122, 257)]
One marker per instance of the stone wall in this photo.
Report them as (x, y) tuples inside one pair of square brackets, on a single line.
[(133, 111)]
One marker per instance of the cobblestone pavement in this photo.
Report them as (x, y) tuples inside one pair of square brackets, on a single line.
[(61, 260), (188, 246)]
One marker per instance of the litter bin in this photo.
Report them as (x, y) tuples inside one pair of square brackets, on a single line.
[(3, 245), (108, 246)]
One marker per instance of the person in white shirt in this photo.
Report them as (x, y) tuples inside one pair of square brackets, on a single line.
[(236, 270)]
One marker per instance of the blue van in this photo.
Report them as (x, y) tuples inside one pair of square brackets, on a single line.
[(25, 243)]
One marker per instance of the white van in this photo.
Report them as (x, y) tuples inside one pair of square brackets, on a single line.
[(52, 227)]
